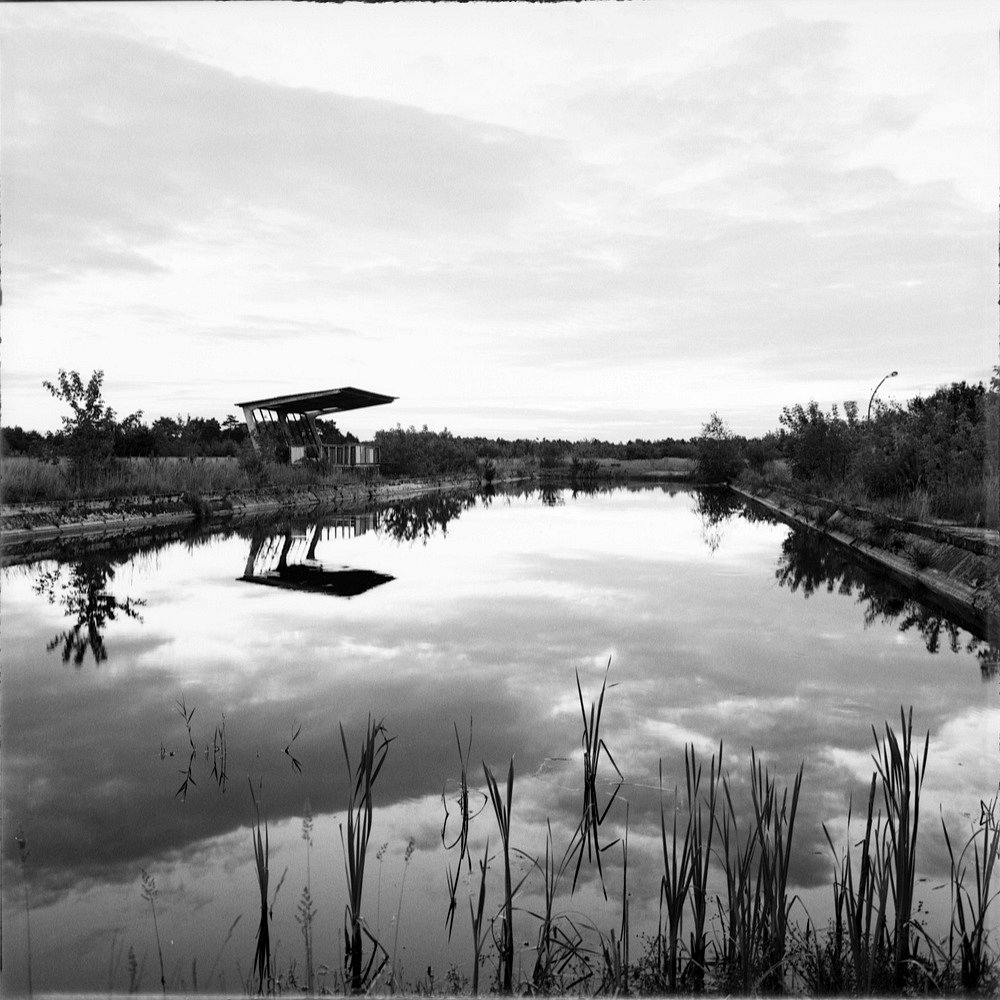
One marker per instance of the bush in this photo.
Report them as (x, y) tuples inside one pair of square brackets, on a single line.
[(777, 473), (424, 453), (253, 466), (717, 452), (550, 454), (920, 555)]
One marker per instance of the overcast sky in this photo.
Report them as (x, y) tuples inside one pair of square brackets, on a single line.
[(580, 220)]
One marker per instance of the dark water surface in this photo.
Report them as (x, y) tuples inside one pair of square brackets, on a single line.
[(719, 625)]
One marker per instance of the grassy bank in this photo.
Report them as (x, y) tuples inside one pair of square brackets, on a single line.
[(969, 502), (29, 480)]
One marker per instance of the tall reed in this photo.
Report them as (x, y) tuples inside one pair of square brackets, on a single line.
[(261, 852), (775, 826), (501, 809), (702, 830), (901, 774), (411, 843), (615, 948), (461, 839), (674, 884), (149, 893), (306, 912), (685, 878), (477, 914), (882, 938), (477, 909), (740, 918), (559, 941), (362, 778), (861, 906), (592, 816), (969, 915), (222, 948)]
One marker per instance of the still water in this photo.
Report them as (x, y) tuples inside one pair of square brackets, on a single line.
[(141, 690)]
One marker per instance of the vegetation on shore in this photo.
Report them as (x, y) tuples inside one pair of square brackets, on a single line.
[(936, 457)]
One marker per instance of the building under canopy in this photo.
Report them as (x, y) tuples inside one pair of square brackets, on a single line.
[(294, 417)]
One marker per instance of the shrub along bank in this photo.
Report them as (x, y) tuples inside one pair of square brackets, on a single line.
[(935, 457)]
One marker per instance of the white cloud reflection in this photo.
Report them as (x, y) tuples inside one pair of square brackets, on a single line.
[(448, 639)]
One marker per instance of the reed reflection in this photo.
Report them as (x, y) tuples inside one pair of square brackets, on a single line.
[(82, 590)]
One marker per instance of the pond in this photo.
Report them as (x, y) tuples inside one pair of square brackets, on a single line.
[(150, 696)]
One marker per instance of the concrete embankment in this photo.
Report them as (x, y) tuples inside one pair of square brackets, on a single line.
[(38, 531), (953, 568)]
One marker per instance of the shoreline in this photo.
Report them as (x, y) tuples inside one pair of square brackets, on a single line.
[(951, 568), (44, 530), (957, 569)]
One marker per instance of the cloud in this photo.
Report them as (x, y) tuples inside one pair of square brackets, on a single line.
[(117, 148), (734, 224)]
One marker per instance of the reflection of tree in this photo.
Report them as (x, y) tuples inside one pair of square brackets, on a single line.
[(715, 508), (84, 595), (989, 661), (810, 563), (421, 517), (551, 496)]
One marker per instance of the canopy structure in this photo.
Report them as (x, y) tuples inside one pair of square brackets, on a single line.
[(295, 417)]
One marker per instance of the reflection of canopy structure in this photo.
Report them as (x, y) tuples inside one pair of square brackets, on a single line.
[(279, 560), (295, 417)]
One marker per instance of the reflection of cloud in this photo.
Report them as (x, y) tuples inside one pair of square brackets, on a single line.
[(746, 665), (670, 734)]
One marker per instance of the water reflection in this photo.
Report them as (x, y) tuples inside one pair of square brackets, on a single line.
[(287, 558), (491, 625), (809, 563), (82, 591), (715, 507), (421, 517)]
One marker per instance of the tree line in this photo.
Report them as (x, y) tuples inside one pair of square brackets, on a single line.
[(943, 446), (942, 450), (408, 451)]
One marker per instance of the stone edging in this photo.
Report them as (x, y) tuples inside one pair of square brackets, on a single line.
[(29, 524), (954, 581)]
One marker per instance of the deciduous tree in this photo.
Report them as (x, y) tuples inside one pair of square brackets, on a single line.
[(89, 429), (718, 452)]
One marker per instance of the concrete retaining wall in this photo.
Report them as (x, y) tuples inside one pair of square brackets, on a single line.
[(33, 531), (953, 569)]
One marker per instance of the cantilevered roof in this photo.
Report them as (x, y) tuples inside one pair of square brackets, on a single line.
[(323, 401)]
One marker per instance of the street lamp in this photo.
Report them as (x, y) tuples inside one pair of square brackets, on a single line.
[(872, 400)]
